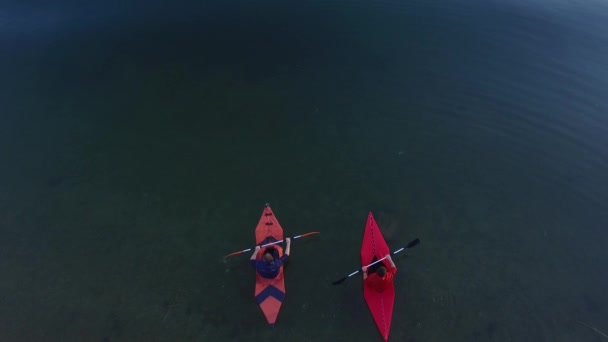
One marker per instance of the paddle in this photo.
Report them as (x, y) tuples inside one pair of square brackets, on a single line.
[(272, 243), (409, 245)]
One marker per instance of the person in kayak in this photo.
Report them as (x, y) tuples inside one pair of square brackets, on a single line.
[(382, 277), (270, 264)]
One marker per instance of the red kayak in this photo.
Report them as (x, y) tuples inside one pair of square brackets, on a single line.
[(380, 303), (269, 293)]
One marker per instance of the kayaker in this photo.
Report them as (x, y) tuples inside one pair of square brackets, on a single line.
[(382, 277), (270, 265)]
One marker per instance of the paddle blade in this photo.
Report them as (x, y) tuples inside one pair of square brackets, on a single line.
[(239, 252), (231, 254), (413, 243), (339, 281), (306, 234)]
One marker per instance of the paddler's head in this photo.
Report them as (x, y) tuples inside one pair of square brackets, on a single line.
[(268, 258), (381, 271)]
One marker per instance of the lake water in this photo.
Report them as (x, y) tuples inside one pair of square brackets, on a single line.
[(138, 145)]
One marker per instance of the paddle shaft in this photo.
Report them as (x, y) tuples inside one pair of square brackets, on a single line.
[(409, 245), (377, 261), (268, 244), (281, 241), (272, 243)]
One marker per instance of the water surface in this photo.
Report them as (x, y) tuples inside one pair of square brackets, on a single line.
[(139, 145)]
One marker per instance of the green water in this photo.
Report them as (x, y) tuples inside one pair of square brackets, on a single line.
[(139, 145)]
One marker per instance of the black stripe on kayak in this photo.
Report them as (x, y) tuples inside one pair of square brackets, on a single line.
[(270, 291)]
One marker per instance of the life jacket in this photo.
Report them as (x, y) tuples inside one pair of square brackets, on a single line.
[(279, 250)]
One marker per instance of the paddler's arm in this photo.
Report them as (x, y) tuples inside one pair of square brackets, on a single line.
[(288, 249), (255, 253), (388, 256), (364, 269), (391, 272)]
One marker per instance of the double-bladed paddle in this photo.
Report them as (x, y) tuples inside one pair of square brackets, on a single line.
[(409, 245), (272, 243)]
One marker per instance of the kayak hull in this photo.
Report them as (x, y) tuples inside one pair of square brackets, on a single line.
[(269, 293), (380, 303)]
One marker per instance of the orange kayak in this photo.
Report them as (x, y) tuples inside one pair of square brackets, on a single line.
[(269, 293)]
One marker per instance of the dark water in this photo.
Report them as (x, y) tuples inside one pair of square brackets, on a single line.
[(138, 145)]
